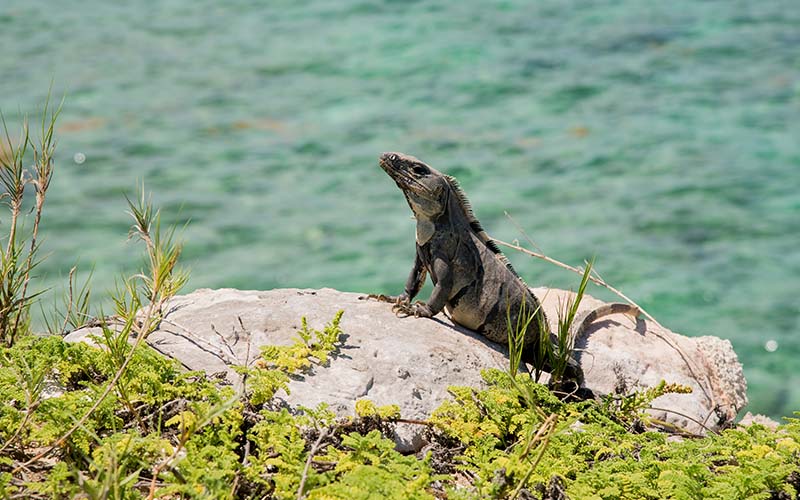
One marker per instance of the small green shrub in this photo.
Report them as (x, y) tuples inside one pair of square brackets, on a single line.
[(367, 409), (598, 457), (272, 370)]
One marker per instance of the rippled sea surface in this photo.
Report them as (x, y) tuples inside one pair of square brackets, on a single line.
[(662, 138)]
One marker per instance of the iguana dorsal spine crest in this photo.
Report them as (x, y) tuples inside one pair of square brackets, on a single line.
[(475, 224)]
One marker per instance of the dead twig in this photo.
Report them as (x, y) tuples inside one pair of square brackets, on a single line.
[(235, 484), (70, 298), (412, 421), (543, 435), (166, 464), (324, 433), (683, 431), (593, 278), (28, 413), (200, 341)]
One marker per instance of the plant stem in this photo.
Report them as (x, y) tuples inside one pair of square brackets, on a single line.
[(577, 270)]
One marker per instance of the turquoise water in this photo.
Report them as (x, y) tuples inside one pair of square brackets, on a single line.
[(663, 138)]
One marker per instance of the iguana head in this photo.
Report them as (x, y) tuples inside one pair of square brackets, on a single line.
[(427, 190)]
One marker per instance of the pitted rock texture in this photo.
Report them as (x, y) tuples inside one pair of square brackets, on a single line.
[(618, 354)]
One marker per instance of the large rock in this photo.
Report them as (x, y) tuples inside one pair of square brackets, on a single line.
[(618, 354), (411, 361)]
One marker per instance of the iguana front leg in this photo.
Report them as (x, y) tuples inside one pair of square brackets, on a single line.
[(439, 297), (415, 281)]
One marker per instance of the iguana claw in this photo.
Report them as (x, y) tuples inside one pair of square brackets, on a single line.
[(417, 309), (392, 299), (377, 296), (421, 310), (402, 306)]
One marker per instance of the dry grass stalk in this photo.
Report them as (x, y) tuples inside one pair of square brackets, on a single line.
[(162, 283), (593, 276), (704, 382)]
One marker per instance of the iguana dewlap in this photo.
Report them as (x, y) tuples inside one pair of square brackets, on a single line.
[(472, 278)]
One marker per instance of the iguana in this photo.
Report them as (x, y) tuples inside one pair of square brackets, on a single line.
[(472, 278)]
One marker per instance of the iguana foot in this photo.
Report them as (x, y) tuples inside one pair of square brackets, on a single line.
[(573, 371), (401, 305), (417, 309), (380, 297), (391, 299)]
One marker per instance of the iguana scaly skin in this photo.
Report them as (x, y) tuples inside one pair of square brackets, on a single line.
[(472, 278)]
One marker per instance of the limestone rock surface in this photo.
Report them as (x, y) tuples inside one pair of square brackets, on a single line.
[(619, 354), (412, 361)]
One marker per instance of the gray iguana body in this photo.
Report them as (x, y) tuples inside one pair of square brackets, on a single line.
[(472, 279)]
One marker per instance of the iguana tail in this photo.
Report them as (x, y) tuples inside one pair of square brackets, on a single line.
[(580, 324)]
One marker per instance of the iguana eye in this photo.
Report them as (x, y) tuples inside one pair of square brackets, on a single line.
[(420, 170)]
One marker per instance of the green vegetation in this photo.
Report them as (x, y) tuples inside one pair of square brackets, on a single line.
[(190, 438), (117, 420), (18, 257), (276, 363), (512, 441), (555, 351)]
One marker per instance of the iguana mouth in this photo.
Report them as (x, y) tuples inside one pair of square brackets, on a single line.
[(393, 164)]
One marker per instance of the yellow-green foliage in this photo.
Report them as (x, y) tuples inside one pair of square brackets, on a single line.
[(367, 466), (115, 447), (276, 363), (350, 465), (366, 408), (502, 441), (599, 457), (189, 432)]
